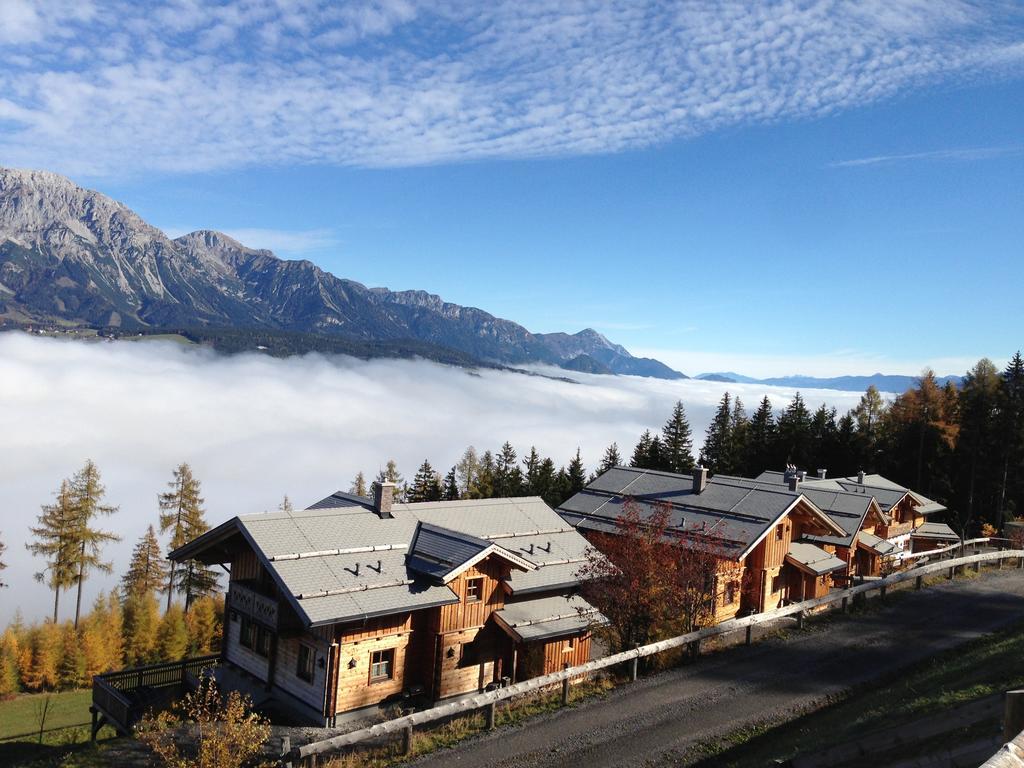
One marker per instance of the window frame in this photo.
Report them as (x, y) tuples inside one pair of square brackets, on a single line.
[(477, 585), (386, 656), (247, 633), (305, 668), (780, 532)]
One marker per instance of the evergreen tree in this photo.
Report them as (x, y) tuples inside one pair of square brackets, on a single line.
[(55, 540), (172, 635), (182, 514), (824, 437), (450, 491), (426, 486), (977, 447), (577, 474), (390, 474), (677, 442), (561, 489), (794, 433), (761, 440), (531, 475), (1011, 437), (358, 486), (740, 428), (508, 478), (87, 494), (547, 483), (610, 459), (484, 482), (642, 452), (717, 451), (867, 416), (147, 570)]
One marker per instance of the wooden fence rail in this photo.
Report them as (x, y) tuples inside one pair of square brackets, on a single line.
[(403, 725)]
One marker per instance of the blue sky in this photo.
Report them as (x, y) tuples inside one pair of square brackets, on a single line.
[(819, 188)]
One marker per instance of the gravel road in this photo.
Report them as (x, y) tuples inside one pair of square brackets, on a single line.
[(654, 721)]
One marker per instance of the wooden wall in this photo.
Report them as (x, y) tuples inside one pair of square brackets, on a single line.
[(557, 653), (251, 662), (455, 674), (355, 689), (463, 615), (286, 670)]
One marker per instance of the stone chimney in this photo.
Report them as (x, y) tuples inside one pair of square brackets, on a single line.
[(794, 482), (860, 477), (383, 498), (822, 473), (700, 479)]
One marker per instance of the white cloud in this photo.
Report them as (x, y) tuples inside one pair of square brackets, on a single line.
[(255, 428), (965, 154), (841, 362), (117, 87)]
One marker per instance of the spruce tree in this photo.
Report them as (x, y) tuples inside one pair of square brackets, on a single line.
[(147, 570), (577, 474), (87, 493), (531, 465), (55, 540), (715, 455), (610, 459), (484, 485), (642, 451), (390, 474), (740, 428), (547, 486), (1011, 428), (182, 514), (761, 439), (425, 485), (450, 491), (508, 478), (677, 442), (794, 433)]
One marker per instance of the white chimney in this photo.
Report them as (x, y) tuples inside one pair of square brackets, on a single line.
[(860, 477), (700, 479), (383, 498)]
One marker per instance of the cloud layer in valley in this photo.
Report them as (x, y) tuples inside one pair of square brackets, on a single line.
[(95, 87), (255, 428)]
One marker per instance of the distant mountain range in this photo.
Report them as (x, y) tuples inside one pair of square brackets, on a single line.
[(72, 256), (884, 382)]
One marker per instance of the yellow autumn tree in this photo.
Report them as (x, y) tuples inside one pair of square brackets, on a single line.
[(172, 635), (9, 657), (204, 625), (141, 622)]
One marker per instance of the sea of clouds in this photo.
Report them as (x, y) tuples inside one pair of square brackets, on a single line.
[(255, 428)]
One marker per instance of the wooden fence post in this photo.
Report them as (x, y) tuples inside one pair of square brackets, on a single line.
[(846, 605), (491, 712), (407, 740), (800, 620), (1013, 715), (949, 575), (286, 747), (750, 633), (634, 666), (918, 582), (881, 592), (565, 686)]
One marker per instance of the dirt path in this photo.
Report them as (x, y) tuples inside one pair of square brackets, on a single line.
[(654, 721)]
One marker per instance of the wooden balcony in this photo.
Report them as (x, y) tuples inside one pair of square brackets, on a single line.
[(122, 698), (245, 599), (897, 529)]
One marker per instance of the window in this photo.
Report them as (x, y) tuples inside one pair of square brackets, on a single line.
[(262, 644), (730, 593), (474, 590), (245, 632), (780, 532), (382, 665), (307, 661)]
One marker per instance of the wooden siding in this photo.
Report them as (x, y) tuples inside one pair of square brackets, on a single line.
[(380, 627), (251, 662), (463, 615), (286, 674), (245, 566), (355, 689), (557, 652), (460, 671)]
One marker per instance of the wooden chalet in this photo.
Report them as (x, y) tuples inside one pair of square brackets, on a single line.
[(758, 529), (355, 602), (896, 524)]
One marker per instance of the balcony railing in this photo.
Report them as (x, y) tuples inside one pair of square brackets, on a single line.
[(122, 698), (250, 602)]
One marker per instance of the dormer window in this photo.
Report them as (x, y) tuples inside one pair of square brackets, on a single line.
[(780, 532), (474, 590)]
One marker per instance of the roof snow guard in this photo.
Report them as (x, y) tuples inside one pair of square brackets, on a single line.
[(442, 554)]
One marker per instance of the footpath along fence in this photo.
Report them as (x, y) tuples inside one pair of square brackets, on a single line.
[(307, 755)]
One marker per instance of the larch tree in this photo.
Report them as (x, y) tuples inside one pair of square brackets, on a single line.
[(285, 505), (55, 541), (141, 622), (466, 470), (358, 486), (677, 442), (87, 494), (172, 635), (147, 570), (182, 514), (484, 482), (203, 622)]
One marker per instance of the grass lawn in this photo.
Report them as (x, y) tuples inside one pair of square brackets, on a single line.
[(988, 665), (21, 715)]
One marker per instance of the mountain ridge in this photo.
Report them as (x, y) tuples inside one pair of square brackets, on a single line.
[(75, 256)]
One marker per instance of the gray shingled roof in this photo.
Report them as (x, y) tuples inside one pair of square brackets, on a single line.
[(939, 531), (813, 559), (886, 492), (343, 562), (736, 511), (876, 544), (440, 553), (548, 617)]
